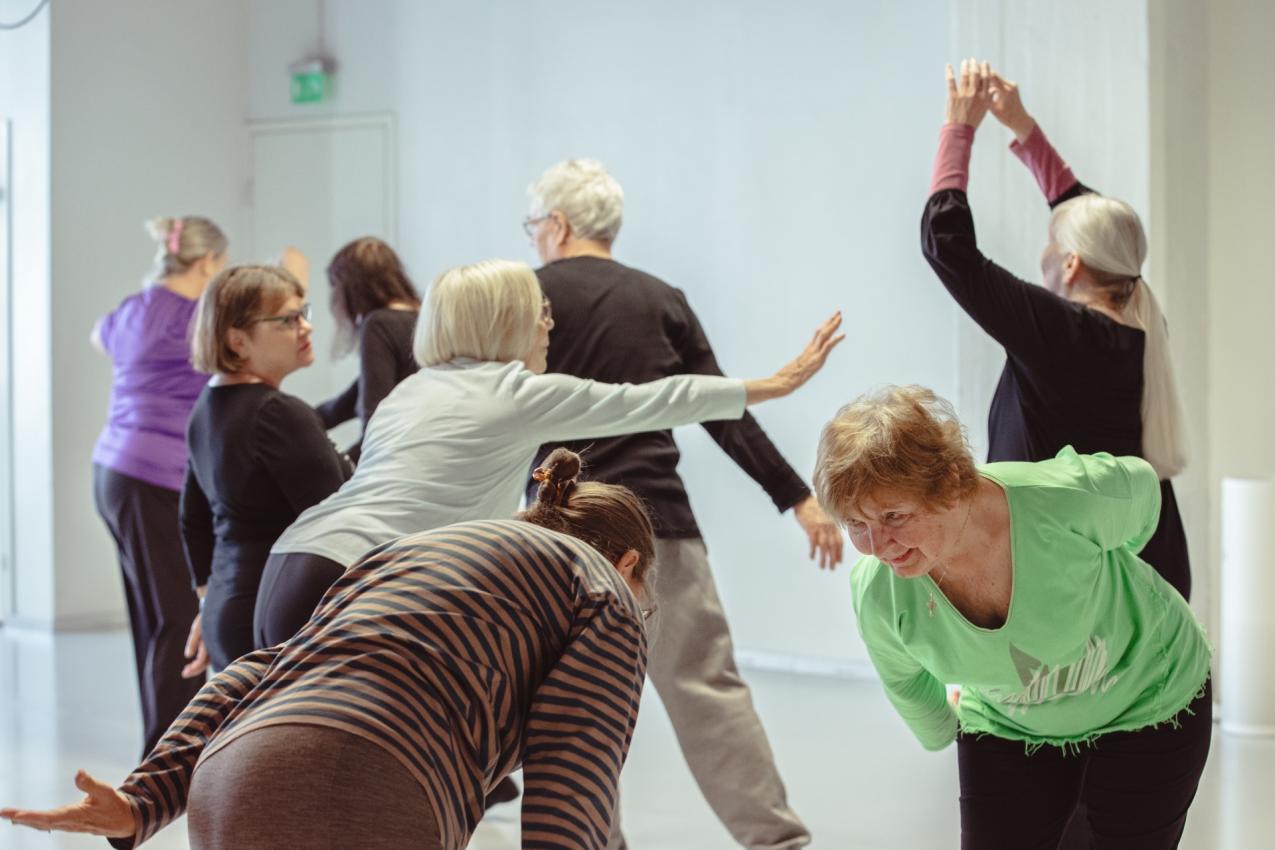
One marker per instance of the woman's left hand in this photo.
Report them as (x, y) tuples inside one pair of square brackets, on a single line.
[(104, 811), (969, 96)]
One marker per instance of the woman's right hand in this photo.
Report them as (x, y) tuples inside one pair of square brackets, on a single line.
[(969, 97), (1007, 106), (104, 811), (796, 373), (196, 650)]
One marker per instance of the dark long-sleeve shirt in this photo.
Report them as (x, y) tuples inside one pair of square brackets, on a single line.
[(616, 324), (462, 652), (258, 458), (385, 359), (1073, 375)]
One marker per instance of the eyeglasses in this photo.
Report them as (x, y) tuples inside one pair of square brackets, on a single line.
[(291, 321), (529, 224)]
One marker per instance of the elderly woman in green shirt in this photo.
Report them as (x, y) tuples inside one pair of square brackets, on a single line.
[(1082, 674)]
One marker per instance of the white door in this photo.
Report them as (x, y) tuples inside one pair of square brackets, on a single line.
[(317, 185)]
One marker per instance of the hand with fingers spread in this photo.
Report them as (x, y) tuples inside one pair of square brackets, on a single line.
[(792, 376), (969, 95), (104, 811), (1007, 107), (826, 542)]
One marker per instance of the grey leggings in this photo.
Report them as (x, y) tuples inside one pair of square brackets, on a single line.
[(307, 786)]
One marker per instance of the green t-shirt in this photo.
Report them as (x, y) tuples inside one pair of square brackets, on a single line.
[(1095, 640)]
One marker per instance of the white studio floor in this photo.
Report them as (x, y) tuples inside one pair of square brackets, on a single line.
[(854, 773)]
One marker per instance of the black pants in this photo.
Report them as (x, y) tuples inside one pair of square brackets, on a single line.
[(161, 604), (291, 587), (1136, 786)]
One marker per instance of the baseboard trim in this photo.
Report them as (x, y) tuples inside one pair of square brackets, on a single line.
[(778, 662)]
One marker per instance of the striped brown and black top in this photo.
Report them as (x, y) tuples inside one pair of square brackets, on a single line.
[(463, 652)]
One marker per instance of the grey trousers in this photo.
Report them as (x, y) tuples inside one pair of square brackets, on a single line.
[(297, 786), (692, 665)]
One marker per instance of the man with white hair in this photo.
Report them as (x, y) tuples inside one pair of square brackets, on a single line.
[(617, 324)]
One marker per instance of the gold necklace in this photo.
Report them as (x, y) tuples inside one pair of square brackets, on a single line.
[(931, 604)]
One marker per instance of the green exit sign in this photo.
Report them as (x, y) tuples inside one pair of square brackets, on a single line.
[(309, 87), (312, 79)]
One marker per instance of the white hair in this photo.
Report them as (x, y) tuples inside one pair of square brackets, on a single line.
[(1107, 236), (583, 191), (486, 311)]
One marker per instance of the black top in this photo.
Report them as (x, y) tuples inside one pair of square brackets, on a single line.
[(385, 358), (258, 458), (620, 325), (1073, 376)]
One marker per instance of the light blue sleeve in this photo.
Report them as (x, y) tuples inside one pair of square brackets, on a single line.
[(562, 407)]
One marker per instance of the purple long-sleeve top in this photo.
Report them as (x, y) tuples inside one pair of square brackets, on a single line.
[(154, 387)]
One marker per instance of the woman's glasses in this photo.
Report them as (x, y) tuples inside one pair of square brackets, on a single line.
[(291, 320)]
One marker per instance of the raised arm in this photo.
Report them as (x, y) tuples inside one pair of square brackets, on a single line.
[(559, 407), (578, 731), (1055, 179), (1019, 315)]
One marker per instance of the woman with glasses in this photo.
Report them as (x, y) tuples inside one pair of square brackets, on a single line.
[(258, 456), (435, 666), (375, 306), (454, 441)]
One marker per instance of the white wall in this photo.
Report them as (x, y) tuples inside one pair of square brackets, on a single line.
[(1239, 113), (146, 119), (775, 161), (24, 100)]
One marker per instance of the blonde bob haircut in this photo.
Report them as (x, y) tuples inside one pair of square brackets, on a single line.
[(484, 311), (898, 440), (236, 298)]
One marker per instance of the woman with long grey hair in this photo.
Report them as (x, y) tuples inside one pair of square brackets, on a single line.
[(1087, 355)]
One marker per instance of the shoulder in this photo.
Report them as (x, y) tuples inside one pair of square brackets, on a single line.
[(1071, 472), (279, 410)]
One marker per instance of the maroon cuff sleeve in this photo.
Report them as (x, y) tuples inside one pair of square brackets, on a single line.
[(1051, 173), (952, 163)]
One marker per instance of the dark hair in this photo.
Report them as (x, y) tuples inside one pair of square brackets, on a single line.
[(608, 517), (365, 275), (234, 299)]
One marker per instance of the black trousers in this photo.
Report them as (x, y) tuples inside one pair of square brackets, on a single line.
[(292, 585), (161, 603), (1136, 786)]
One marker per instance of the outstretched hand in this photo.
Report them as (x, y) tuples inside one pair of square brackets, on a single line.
[(797, 372), (104, 811), (811, 359), (1007, 107), (969, 95)]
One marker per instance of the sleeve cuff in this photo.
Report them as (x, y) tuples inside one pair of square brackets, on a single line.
[(952, 163)]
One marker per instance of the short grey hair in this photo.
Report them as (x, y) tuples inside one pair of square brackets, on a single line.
[(485, 311), (583, 191)]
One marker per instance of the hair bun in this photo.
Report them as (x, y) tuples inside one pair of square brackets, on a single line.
[(557, 476)]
